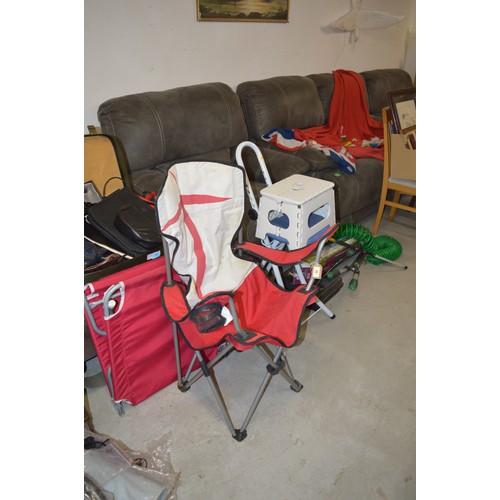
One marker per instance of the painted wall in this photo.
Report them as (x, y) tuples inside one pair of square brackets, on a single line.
[(141, 45)]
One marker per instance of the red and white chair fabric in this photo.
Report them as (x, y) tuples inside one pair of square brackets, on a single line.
[(225, 298)]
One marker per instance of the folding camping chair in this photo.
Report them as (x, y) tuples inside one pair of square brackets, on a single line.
[(226, 298)]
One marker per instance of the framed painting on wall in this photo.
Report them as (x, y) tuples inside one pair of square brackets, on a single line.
[(271, 11)]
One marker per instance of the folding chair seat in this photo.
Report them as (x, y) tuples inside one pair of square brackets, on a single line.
[(226, 298)]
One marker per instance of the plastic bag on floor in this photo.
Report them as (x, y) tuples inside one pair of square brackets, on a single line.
[(114, 472)]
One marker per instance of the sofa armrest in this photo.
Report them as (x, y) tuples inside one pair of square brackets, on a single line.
[(378, 82)]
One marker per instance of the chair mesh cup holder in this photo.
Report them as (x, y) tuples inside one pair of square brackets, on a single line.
[(208, 317)]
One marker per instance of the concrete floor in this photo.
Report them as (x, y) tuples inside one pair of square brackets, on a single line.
[(349, 434)]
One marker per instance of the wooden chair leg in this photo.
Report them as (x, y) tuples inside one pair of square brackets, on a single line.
[(392, 213), (380, 212)]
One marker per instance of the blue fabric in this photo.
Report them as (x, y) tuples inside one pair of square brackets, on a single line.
[(342, 163), (286, 133)]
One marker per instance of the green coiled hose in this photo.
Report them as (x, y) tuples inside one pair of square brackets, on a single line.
[(384, 246)]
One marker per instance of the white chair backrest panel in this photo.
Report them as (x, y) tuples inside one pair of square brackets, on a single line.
[(202, 206)]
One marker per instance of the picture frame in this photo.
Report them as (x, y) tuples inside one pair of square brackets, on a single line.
[(270, 11), (403, 105)]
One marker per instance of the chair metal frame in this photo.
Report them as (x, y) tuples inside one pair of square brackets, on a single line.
[(275, 357)]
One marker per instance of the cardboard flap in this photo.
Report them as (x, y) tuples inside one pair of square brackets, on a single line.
[(403, 159)]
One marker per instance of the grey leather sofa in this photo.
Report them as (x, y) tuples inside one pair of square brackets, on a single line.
[(209, 120), (301, 102)]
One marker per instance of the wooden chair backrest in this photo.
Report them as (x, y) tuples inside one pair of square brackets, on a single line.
[(102, 165)]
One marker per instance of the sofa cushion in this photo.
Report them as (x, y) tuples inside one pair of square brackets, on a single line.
[(280, 164), (280, 102), (150, 180), (156, 127), (378, 82), (317, 160), (355, 195)]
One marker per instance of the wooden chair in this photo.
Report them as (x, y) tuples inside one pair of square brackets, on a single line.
[(399, 186), (105, 163)]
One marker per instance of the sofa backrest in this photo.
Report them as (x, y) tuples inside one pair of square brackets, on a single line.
[(280, 102), (158, 127), (324, 85), (379, 81)]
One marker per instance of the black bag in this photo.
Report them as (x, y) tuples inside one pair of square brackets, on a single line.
[(126, 220)]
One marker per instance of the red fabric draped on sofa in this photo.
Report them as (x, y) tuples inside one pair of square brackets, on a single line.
[(349, 117)]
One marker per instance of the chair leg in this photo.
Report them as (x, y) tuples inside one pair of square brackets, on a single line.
[(236, 433), (277, 363), (380, 212), (262, 389), (175, 334), (187, 380), (392, 213), (296, 386)]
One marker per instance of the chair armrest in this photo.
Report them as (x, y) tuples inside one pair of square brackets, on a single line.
[(282, 257), (205, 318)]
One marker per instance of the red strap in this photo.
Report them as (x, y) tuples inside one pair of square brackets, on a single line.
[(149, 198)]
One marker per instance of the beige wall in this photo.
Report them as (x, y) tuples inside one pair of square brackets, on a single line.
[(140, 45)]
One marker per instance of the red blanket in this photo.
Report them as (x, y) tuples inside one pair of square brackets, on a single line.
[(349, 119)]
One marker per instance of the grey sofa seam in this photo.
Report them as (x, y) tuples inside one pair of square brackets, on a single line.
[(229, 116), (288, 107), (244, 91), (106, 114), (159, 123)]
